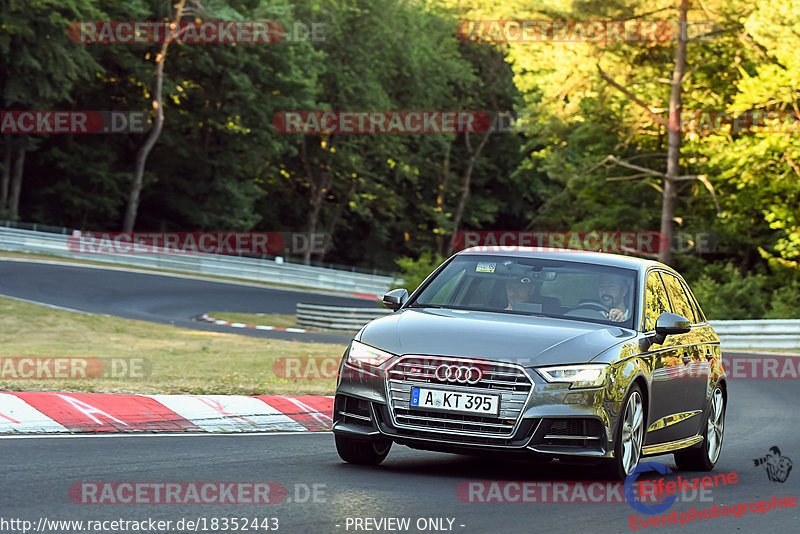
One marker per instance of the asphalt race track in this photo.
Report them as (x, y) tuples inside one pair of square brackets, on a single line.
[(160, 298), (37, 473)]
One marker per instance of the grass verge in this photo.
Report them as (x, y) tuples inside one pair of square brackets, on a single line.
[(183, 361)]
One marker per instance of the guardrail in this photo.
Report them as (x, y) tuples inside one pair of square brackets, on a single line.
[(257, 269), (773, 334), (336, 317), (752, 334)]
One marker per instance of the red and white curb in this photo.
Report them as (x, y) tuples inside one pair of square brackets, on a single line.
[(33, 412), (208, 319)]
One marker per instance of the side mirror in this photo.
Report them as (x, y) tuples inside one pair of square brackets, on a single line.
[(670, 324), (395, 299)]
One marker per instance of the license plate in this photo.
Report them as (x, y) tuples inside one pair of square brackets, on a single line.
[(437, 399)]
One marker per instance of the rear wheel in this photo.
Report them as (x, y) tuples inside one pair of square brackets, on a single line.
[(704, 456), (362, 452), (630, 435)]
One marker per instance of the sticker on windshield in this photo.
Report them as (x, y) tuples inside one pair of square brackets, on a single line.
[(485, 268)]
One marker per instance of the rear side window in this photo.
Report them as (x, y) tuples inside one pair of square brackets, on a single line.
[(698, 312), (656, 301), (678, 297)]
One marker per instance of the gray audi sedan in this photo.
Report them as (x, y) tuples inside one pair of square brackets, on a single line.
[(557, 354)]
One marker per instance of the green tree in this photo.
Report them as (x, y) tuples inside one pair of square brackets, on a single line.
[(40, 66)]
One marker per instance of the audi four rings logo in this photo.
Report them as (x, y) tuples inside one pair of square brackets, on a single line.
[(461, 374)]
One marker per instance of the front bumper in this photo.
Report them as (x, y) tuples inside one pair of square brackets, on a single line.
[(535, 416)]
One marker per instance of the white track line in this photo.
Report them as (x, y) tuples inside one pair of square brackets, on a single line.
[(45, 304)]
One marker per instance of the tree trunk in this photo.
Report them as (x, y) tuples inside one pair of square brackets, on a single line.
[(440, 196), (337, 215), (317, 198), (144, 151), (16, 185), (466, 179), (6, 178), (669, 196), (317, 189)]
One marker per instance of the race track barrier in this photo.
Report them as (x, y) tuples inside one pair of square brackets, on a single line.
[(336, 317), (764, 334), (262, 270)]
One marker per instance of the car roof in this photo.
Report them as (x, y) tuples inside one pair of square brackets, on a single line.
[(597, 258)]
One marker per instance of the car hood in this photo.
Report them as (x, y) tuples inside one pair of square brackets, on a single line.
[(526, 340)]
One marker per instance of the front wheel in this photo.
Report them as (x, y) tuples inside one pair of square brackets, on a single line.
[(704, 456), (362, 452), (630, 436)]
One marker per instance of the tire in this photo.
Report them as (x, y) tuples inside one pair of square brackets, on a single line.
[(630, 436), (703, 457), (362, 452)]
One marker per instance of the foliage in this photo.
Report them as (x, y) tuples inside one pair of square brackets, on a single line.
[(731, 295), (725, 293), (221, 165)]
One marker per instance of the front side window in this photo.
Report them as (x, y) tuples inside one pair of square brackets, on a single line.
[(532, 286), (656, 301)]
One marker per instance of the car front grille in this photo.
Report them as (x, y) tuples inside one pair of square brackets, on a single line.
[(508, 380)]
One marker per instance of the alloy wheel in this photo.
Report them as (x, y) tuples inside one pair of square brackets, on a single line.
[(716, 426), (632, 430)]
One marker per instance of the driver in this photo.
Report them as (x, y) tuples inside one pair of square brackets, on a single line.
[(518, 290), (612, 291)]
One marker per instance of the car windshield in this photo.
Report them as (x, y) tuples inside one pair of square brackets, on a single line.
[(532, 286)]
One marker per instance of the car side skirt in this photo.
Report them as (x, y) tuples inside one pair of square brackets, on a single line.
[(662, 448), (672, 419)]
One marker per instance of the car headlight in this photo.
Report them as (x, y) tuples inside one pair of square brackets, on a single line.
[(580, 376), (362, 355)]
